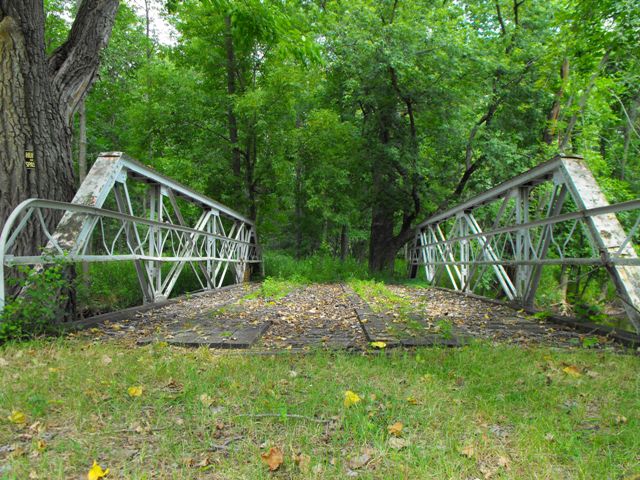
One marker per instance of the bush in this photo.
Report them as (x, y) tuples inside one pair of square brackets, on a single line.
[(324, 268), (37, 310)]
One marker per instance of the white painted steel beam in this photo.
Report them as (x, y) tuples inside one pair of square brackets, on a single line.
[(518, 248)]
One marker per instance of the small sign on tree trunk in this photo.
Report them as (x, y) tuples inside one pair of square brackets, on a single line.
[(29, 159)]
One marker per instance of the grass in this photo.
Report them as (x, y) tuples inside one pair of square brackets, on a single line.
[(479, 411), (275, 288), (382, 300)]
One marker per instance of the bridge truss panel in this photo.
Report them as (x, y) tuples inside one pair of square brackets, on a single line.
[(124, 210), (553, 214)]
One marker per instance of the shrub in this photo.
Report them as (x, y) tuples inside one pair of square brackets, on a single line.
[(39, 306)]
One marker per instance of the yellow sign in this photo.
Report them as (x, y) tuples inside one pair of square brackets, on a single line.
[(29, 159)]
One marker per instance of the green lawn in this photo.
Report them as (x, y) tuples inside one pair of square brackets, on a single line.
[(481, 411)]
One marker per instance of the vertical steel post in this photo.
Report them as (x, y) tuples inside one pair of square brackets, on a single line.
[(523, 241), (463, 231)]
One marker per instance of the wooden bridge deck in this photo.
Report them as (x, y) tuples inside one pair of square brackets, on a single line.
[(332, 316)]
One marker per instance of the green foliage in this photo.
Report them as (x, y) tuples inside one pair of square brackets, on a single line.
[(589, 312), (348, 110), (39, 306), (445, 328), (274, 289), (99, 293), (316, 268)]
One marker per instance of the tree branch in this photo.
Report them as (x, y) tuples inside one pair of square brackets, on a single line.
[(74, 65)]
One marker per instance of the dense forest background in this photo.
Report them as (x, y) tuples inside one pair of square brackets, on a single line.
[(337, 125)]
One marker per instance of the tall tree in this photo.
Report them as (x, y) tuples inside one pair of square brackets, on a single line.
[(39, 95)]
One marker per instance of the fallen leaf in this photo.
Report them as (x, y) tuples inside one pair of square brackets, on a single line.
[(17, 417), (361, 460), (620, 419), (412, 401), (3, 362), (469, 451), (395, 429), (351, 398), (97, 472), (398, 443), (379, 345), (572, 370), (106, 360), (303, 461), (487, 471), (273, 458), (549, 437), (503, 462), (134, 391), (206, 400)]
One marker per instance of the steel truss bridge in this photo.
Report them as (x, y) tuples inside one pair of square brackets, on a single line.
[(553, 214), (124, 210)]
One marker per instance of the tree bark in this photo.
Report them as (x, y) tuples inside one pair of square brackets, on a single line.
[(231, 90), (39, 96), (628, 128), (566, 139), (344, 242), (551, 129)]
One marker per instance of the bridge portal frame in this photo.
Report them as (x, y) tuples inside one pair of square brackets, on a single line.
[(221, 240), (515, 247)]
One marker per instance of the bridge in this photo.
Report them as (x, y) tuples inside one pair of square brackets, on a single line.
[(553, 214), (145, 223), (500, 240)]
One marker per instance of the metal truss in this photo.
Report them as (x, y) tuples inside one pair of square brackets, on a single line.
[(553, 214), (126, 211)]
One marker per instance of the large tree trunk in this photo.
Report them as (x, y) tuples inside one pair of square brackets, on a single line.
[(39, 96), (231, 90)]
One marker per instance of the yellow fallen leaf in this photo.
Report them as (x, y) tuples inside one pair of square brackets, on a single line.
[(468, 451), (620, 419), (273, 458), (206, 400), (395, 429), (97, 472), (41, 445), (412, 401), (17, 417), (351, 398), (134, 391), (379, 345), (572, 370)]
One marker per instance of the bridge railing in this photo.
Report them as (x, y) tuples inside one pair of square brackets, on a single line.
[(554, 214), (158, 240)]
